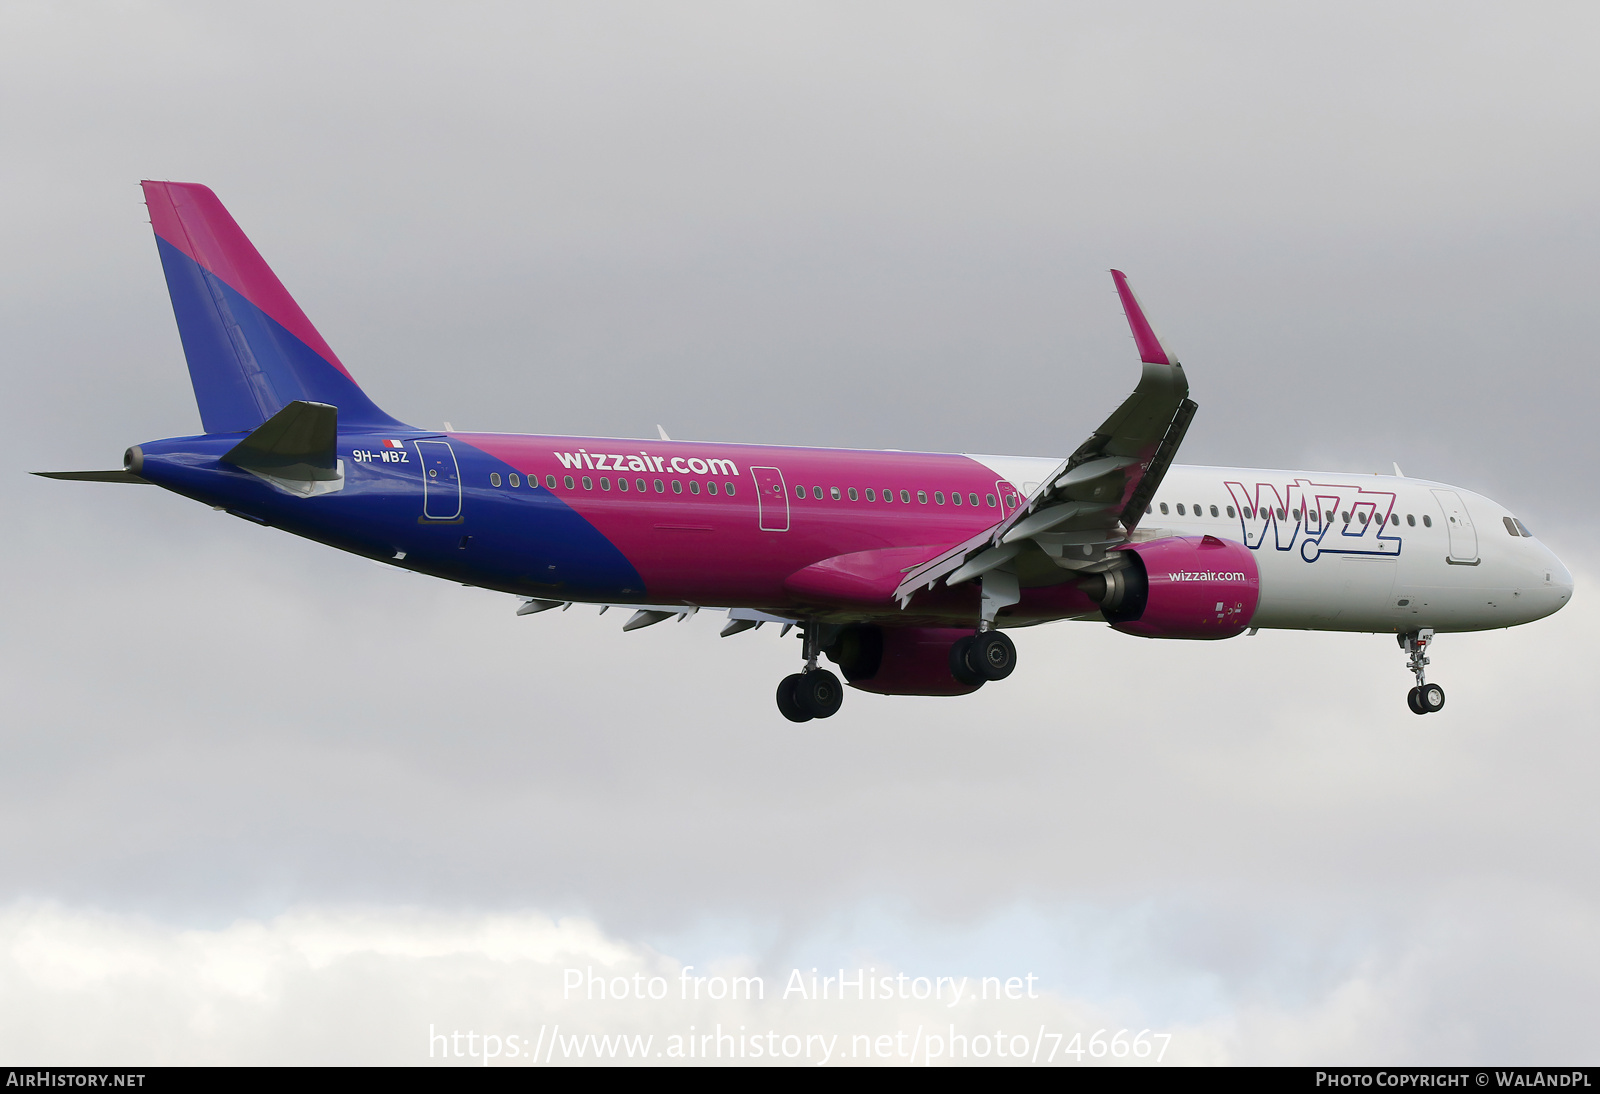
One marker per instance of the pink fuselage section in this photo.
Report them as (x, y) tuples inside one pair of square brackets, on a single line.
[(768, 545)]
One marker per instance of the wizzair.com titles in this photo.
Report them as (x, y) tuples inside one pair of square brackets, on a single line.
[(644, 461), (1206, 575)]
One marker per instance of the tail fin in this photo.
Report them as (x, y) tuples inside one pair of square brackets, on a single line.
[(251, 350)]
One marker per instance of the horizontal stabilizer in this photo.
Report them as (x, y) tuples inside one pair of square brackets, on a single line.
[(298, 442), (94, 476)]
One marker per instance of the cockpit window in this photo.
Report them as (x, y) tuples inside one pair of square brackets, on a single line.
[(1511, 526), (1524, 528)]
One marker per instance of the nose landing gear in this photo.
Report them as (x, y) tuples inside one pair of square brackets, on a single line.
[(1425, 698)]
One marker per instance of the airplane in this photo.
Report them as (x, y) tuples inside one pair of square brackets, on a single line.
[(905, 569)]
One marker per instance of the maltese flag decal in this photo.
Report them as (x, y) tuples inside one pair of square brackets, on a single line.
[(393, 444)]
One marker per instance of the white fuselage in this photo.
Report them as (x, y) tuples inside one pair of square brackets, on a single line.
[(1350, 552)]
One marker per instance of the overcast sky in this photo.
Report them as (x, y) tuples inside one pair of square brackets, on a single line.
[(261, 801)]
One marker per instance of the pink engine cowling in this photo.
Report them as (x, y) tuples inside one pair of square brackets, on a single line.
[(1192, 587)]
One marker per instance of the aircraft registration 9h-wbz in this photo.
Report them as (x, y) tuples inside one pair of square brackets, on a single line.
[(904, 569)]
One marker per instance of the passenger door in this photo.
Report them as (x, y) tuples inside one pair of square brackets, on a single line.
[(772, 499), (441, 481), (1463, 536)]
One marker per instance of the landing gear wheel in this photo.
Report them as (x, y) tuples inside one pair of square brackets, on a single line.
[(788, 704), (818, 693), (1430, 697), (961, 663), (1411, 701), (994, 655)]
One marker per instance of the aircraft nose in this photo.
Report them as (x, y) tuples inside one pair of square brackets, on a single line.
[(1558, 580)]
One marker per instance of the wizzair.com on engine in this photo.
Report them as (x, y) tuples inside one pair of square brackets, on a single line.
[(906, 570)]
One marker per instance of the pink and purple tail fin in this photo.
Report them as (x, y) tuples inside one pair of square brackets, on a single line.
[(251, 350)]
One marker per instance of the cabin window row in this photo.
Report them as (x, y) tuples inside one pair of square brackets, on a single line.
[(623, 485), (1266, 512), (888, 495)]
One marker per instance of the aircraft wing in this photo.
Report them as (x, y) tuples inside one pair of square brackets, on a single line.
[(1093, 501)]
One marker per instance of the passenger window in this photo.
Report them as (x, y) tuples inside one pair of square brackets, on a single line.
[(938, 497), (800, 492), (660, 487), (1345, 516), (1394, 519), (516, 479), (494, 478), (955, 496), (833, 492), (1511, 526), (1163, 508), (550, 482), (905, 496), (1362, 517), (1231, 513), (1215, 513), (694, 486), (568, 481), (972, 499), (1280, 514), (1527, 533), (922, 497), (816, 492), (1427, 521), (727, 488), (677, 486), (1149, 508), (872, 495), (638, 484), (1011, 501), (1198, 511), (605, 483), (853, 495), (622, 484), (711, 488), (1181, 513), (588, 483), (990, 499), (1411, 520)]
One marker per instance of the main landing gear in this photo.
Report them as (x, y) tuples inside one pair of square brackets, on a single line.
[(987, 655), (1425, 698), (813, 692)]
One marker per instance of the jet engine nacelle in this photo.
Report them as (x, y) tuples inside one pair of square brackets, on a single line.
[(899, 660), (1180, 587)]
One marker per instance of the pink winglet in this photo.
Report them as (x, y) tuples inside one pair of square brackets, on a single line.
[(189, 216), (1144, 336)]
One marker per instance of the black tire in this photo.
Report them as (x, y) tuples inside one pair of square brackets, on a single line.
[(961, 663), (994, 655), (1414, 702), (1430, 697), (788, 702), (818, 693)]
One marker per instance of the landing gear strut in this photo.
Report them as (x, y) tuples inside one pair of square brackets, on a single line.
[(988, 655), (814, 692), (1425, 698)]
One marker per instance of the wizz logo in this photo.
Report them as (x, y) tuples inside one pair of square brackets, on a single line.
[(1319, 518)]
